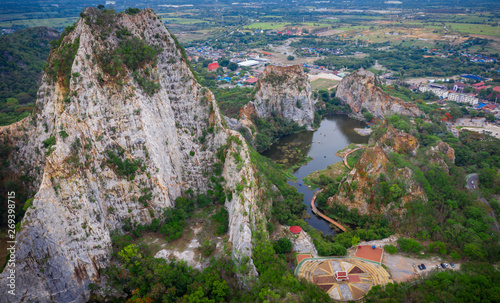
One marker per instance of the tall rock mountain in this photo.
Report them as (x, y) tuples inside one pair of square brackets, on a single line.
[(373, 168), (120, 130), (286, 91), (359, 90)]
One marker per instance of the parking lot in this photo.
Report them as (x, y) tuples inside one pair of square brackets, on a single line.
[(405, 268)]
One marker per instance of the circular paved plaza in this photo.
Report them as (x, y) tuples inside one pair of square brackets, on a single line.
[(343, 279)]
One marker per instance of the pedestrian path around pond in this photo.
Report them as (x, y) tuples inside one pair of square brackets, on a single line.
[(317, 212), (345, 156)]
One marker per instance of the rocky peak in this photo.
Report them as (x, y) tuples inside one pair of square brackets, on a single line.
[(446, 150), (397, 141), (360, 90), (286, 91), (373, 168), (120, 130)]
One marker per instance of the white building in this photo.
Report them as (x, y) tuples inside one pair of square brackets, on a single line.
[(249, 63), (463, 98), (455, 97), (441, 93)]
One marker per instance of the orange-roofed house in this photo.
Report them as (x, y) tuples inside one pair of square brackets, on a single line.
[(213, 66)]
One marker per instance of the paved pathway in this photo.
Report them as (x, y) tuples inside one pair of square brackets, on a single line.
[(317, 212), (345, 156), (472, 183)]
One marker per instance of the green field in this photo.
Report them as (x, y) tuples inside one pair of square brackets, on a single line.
[(50, 22), (267, 25), (350, 28), (183, 21), (25, 16), (320, 84), (479, 29)]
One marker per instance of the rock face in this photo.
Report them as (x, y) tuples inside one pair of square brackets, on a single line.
[(286, 91), (446, 150), (366, 174), (359, 90), (101, 151), (398, 142), (437, 155)]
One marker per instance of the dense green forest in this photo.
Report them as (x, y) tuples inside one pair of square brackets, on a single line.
[(22, 57), (474, 282)]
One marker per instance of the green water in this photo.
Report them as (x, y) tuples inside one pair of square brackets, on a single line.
[(334, 133)]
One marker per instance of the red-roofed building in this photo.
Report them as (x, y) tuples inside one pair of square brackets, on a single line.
[(479, 84), (251, 80), (489, 107), (459, 86), (213, 66), (341, 276), (497, 89), (481, 87)]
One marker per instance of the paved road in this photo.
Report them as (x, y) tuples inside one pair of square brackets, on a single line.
[(471, 183)]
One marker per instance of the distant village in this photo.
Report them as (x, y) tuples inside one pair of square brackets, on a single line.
[(469, 90)]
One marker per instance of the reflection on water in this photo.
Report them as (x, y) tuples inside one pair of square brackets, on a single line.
[(334, 133)]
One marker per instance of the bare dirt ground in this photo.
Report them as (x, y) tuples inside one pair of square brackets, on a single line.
[(495, 130), (324, 76), (280, 54), (331, 32), (417, 81)]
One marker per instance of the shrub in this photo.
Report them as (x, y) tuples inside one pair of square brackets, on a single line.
[(49, 142), (207, 248), (221, 219), (125, 168), (391, 249), (409, 245), (438, 247), (132, 11), (331, 249), (283, 246), (454, 255)]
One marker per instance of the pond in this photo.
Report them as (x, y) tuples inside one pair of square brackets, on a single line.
[(334, 133)]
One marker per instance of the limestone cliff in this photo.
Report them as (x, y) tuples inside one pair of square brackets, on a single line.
[(359, 90), (398, 141), (285, 91), (111, 142), (439, 154), (374, 185)]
